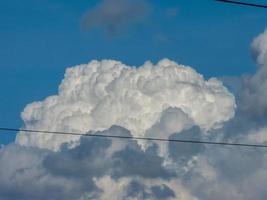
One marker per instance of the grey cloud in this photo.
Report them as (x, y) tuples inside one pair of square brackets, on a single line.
[(90, 158), (80, 160), (115, 15), (23, 176), (254, 91), (137, 190), (183, 152), (162, 192), (149, 164), (32, 173), (254, 95), (140, 191), (236, 164)]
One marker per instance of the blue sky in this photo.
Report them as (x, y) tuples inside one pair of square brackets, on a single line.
[(40, 38)]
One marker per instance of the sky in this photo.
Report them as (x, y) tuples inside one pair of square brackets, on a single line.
[(183, 69)]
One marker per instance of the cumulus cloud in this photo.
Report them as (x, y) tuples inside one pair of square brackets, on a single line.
[(163, 100), (97, 95), (115, 15)]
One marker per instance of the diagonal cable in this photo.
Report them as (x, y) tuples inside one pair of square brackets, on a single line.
[(243, 3), (135, 138)]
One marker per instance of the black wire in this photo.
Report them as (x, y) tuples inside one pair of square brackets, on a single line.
[(135, 138), (243, 3)]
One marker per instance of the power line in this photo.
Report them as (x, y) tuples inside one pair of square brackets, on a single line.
[(135, 138), (243, 3)]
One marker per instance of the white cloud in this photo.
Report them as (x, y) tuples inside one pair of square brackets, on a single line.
[(100, 94), (161, 100)]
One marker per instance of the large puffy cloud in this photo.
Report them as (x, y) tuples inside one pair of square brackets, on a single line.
[(107, 97), (100, 94), (164, 100)]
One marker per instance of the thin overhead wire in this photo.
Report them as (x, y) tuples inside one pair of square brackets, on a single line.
[(134, 138), (243, 3)]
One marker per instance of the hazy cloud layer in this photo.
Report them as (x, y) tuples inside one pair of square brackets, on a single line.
[(165, 100), (115, 15)]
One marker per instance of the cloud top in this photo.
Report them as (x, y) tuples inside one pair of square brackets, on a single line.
[(100, 94)]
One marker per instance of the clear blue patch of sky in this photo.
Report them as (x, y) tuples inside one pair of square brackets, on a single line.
[(40, 38)]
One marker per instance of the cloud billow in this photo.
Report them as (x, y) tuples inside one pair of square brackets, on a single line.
[(151, 99), (162, 100)]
